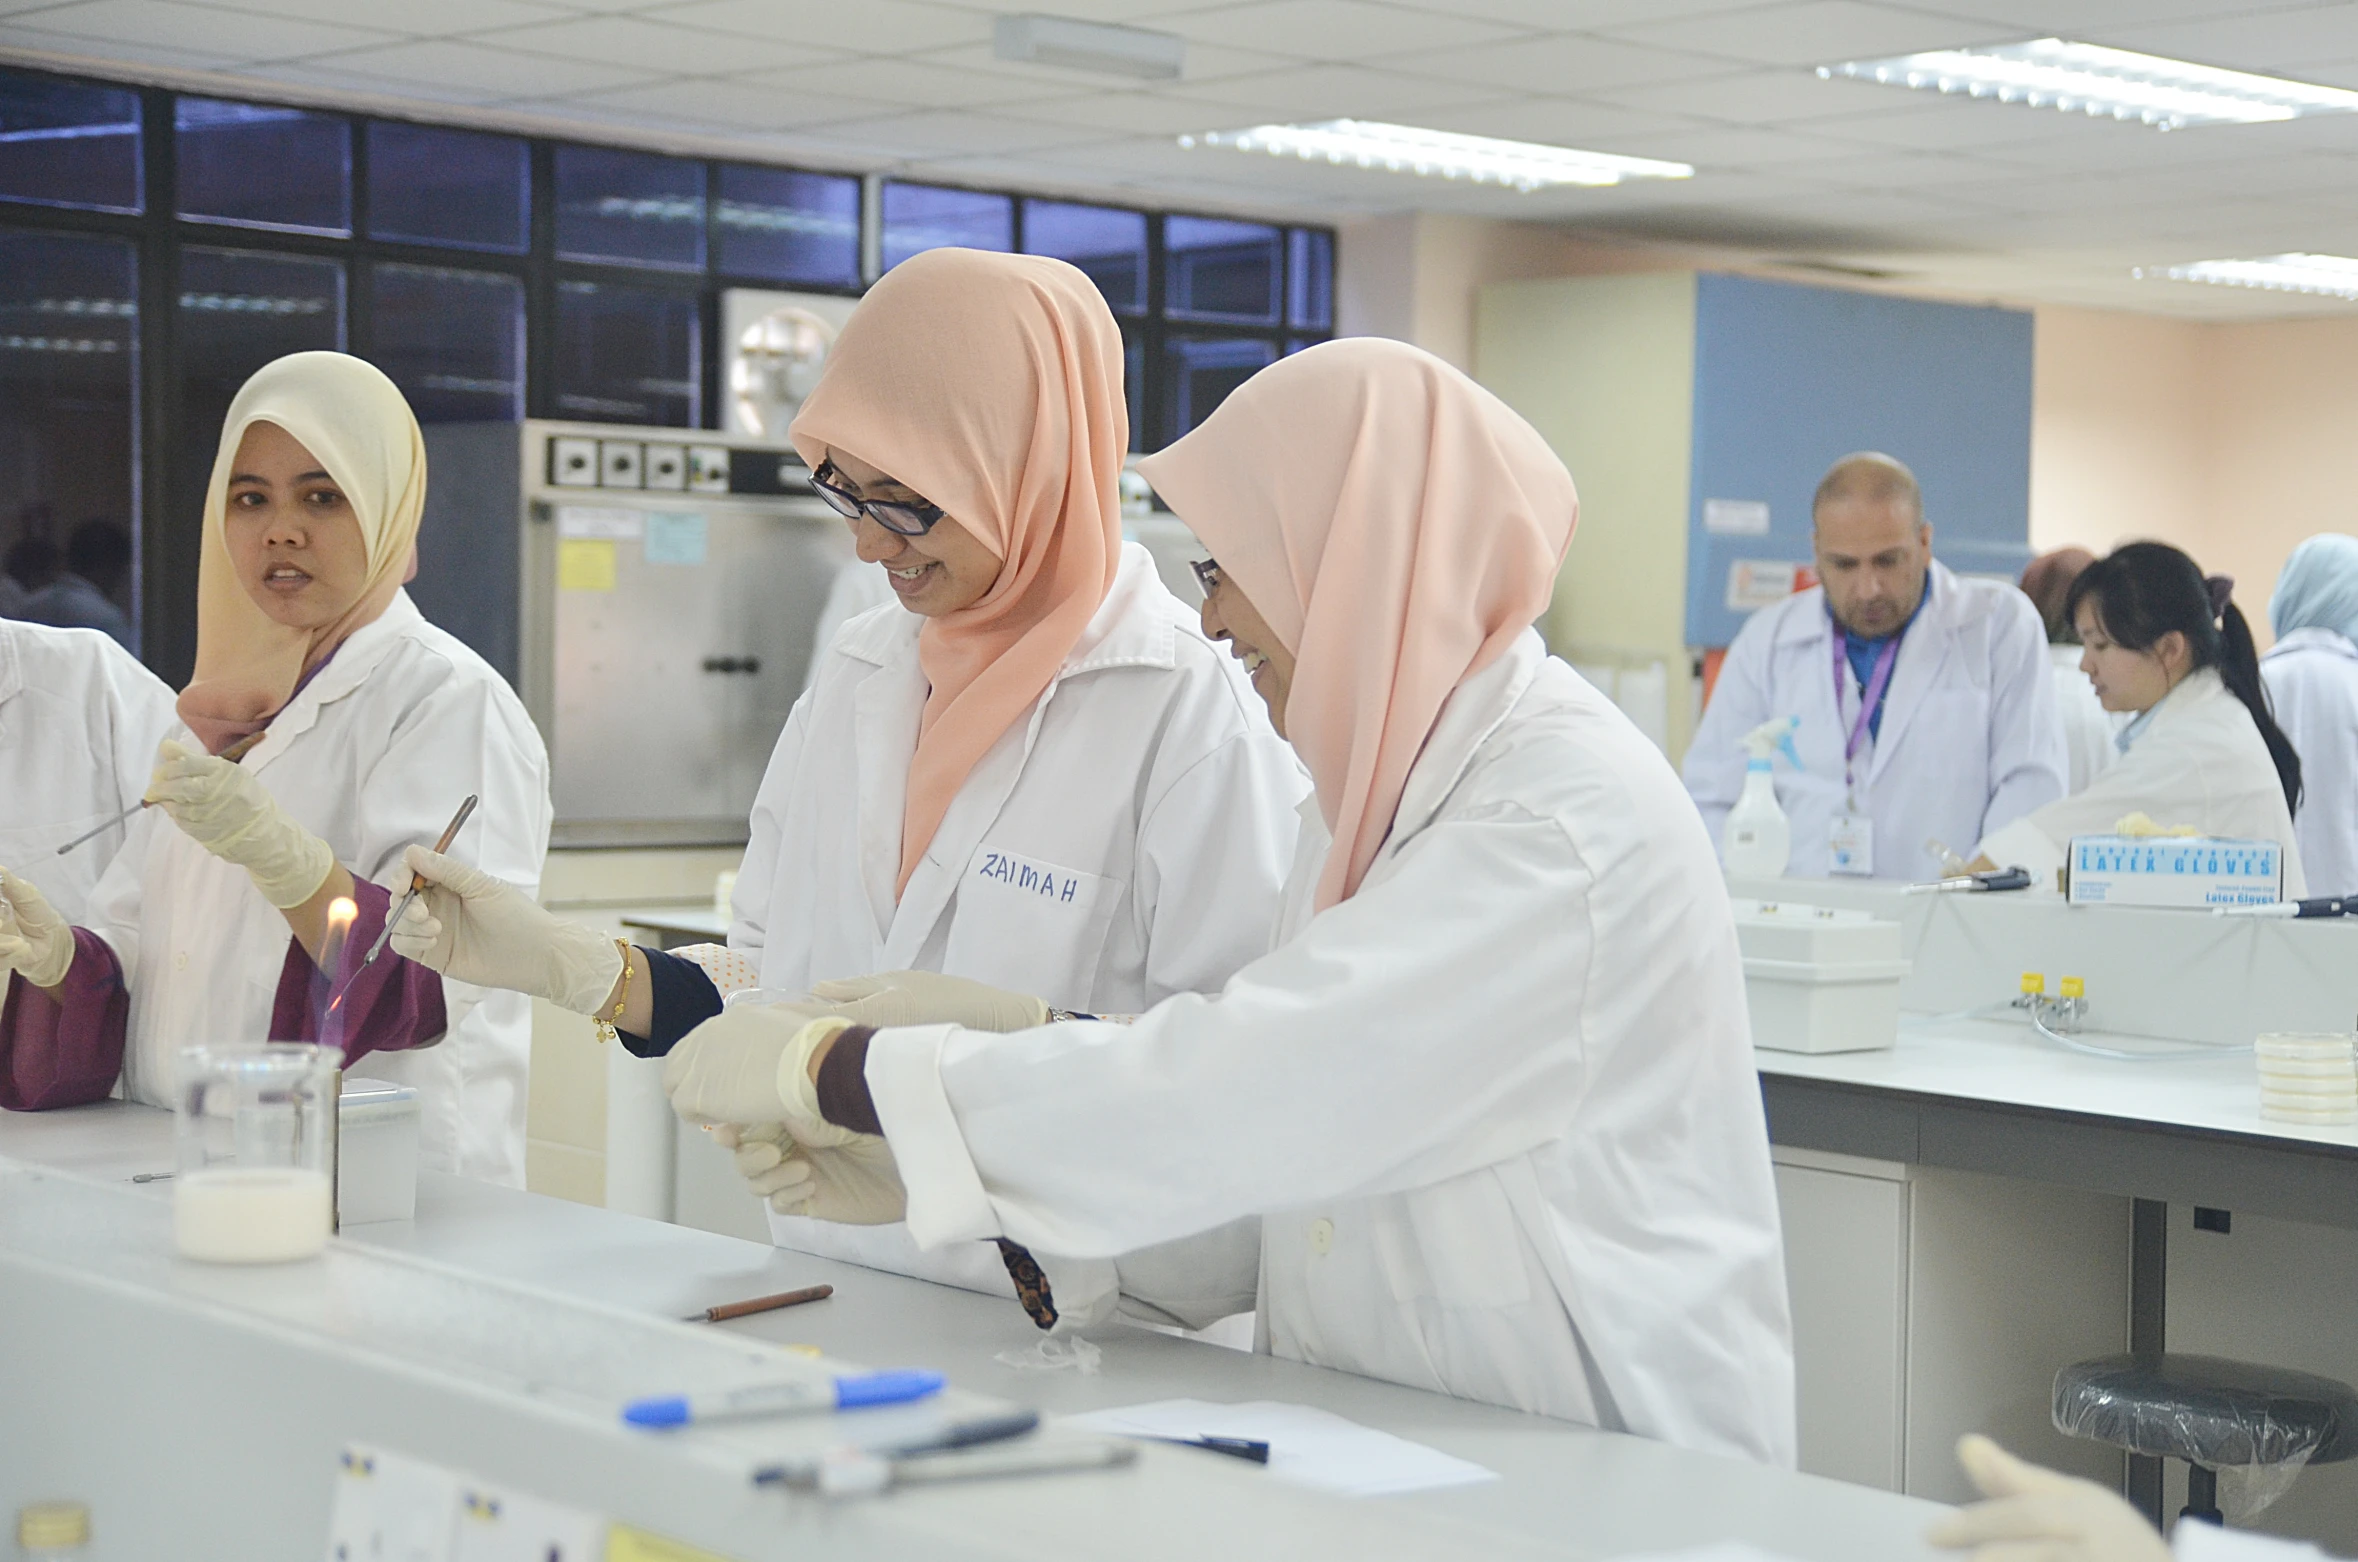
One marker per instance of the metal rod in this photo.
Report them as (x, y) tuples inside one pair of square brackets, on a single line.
[(417, 881), (235, 752)]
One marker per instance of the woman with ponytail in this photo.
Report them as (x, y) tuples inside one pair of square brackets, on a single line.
[(2170, 648)]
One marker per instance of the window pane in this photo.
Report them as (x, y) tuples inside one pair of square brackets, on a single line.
[(628, 355), (1134, 388), (1106, 242), (68, 362), (1214, 269), (784, 226), (262, 166), (1200, 371), (459, 187), (919, 217), (633, 208), (1310, 279), (453, 341), (68, 145)]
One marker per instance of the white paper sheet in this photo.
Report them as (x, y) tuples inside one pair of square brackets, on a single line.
[(1307, 1447)]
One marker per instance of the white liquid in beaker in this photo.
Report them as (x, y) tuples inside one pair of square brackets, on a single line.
[(250, 1215)]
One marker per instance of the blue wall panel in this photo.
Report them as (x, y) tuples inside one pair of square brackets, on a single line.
[(1788, 379)]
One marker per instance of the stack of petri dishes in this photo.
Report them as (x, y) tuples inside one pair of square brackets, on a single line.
[(2308, 1077)]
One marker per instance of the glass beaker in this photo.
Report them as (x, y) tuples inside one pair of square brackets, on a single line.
[(255, 1130)]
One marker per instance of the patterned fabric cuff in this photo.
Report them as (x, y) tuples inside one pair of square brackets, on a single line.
[(731, 970), (1031, 1283)]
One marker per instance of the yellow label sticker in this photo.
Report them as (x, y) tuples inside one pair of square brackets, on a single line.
[(624, 1544), (585, 564)]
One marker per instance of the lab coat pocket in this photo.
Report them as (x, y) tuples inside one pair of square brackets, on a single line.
[(1031, 925), (1457, 1242)]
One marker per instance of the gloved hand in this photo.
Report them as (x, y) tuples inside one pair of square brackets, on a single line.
[(474, 928), (855, 1184), (930, 998), (751, 1064), (35, 941), (2041, 1515), (227, 811)]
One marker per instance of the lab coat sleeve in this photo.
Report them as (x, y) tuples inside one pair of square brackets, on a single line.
[(1714, 766), (1213, 851), (2030, 766), (1425, 1028)]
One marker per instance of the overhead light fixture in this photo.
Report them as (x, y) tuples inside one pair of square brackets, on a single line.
[(2086, 78), (2334, 276), (1089, 46), (1437, 154)]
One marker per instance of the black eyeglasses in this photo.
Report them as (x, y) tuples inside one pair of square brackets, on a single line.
[(908, 518), (1207, 574)]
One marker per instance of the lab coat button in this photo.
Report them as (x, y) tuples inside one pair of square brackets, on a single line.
[(180, 961), (1322, 1236)]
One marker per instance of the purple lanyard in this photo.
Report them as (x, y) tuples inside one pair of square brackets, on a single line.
[(1870, 698)]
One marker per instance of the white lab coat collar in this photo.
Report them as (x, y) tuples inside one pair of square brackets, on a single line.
[(1925, 647), (1472, 712), (360, 655), (2314, 638), (1116, 637), (2196, 691)]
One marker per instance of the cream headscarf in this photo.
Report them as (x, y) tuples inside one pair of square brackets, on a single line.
[(1398, 526), (992, 385), (344, 411)]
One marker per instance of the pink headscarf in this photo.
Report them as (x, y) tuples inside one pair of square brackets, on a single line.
[(992, 385), (1398, 526)]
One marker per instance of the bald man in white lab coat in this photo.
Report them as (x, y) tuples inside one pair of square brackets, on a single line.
[(1927, 708)]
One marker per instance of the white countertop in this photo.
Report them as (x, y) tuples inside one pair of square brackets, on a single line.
[(1570, 1489)]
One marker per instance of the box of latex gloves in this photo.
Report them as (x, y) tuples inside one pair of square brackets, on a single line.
[(1817, 979), (2173, 870)]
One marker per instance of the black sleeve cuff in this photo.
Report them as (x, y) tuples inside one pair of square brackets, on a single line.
[(843, 1083), (684, 999)]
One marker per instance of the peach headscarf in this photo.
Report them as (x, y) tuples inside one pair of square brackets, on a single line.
[(1398, 526), (344, 411), (992, 385)]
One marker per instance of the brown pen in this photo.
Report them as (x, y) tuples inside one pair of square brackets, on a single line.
[(761, 1304)]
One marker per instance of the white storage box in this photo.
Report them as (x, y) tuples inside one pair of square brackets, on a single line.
[(1818, 979), (376, 1152), (2174, 870)]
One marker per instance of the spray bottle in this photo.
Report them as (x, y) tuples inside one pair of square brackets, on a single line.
[(1758, 841)]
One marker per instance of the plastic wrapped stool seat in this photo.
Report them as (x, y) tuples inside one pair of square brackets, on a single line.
[(2259, 1425)]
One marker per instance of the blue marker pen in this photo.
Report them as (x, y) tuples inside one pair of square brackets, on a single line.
[(784, 1399)]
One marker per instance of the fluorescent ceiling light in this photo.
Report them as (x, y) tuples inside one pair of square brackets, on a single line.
[(2333, 275), (1089, 46), (2086, 78), (1437, 154)]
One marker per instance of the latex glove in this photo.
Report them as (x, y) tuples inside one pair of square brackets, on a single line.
[(855, 1184), (2041, 1515), (35, 941), (227, 810), (475, 928), (751, 1064), (930, 998)]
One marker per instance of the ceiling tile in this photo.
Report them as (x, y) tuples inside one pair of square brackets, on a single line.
[(1565, 64), (1332, 29), (1124, 113), (731, 105), (865, 26), (947, 133), (1205, 62), (1730, 147), (2279, 41), (20, 34), (1813, 32), (1583, 15), (415, 18), (1312, 92), (1753, 97), (898, 84), (473, 65), (634, 43), (166, 24), (2075, 18), (1561, 122)]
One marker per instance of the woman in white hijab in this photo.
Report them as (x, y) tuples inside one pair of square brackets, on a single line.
[(2312, 678), (333, 726)]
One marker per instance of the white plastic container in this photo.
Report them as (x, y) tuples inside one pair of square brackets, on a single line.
[(1819, 979), (376, 1152), (1756, 842)]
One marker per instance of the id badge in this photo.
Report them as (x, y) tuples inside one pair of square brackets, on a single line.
[(1850, 845)]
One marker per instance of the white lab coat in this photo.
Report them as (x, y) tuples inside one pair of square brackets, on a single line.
[(373, 755), (2089, 730), (1970, 738), (79, 725), (2200, 762), (1126, 841), (2312, 679), (1498, 1111)]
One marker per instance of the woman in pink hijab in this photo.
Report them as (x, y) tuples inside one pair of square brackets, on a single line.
[(1491, 1095)]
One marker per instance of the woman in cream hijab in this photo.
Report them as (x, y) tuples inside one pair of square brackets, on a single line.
[(332, 726), (1032, 769), (1491, 1094)]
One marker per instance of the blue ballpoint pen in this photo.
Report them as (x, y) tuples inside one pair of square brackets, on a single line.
[(785, 1399)]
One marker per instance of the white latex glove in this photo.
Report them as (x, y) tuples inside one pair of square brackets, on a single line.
[(475, 928), (229, 812), (855, 1184), (751, 1064), (2041, 1515), (35, 941), (930, 998)]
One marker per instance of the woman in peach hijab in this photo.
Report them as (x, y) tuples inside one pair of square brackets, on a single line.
[(1491, 1096), (1033, 769), (333, 726)]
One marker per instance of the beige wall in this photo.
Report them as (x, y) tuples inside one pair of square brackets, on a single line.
[(2232, 441)]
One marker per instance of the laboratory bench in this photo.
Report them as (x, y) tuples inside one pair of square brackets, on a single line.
[(1562, 1490)]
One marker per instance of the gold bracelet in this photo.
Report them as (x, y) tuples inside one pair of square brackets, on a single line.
[(621, 1000)]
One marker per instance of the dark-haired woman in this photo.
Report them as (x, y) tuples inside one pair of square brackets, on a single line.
[(2167, 646)]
